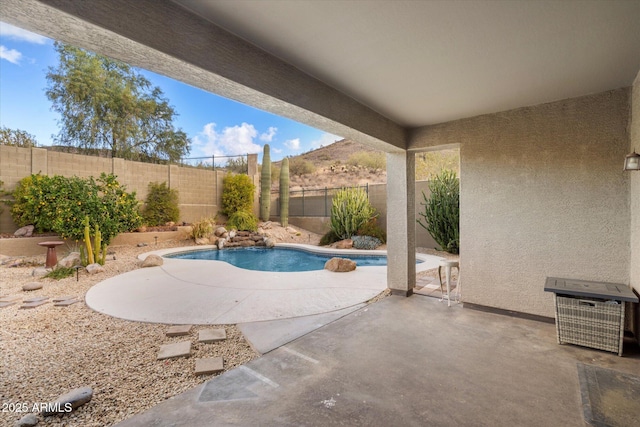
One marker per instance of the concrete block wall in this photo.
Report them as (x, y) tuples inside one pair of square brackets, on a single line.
[(634, 177), (199, 190)]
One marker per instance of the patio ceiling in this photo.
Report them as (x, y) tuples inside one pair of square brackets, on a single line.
[(425, 62)]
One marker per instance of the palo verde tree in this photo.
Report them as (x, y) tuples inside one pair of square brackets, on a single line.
[(17, 138), (106, 104)]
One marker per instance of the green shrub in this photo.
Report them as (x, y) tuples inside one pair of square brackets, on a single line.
[(202, 228), (371, 228), (350, 210), (442, 211), (161, 205), (369, 160), (237, 194), (243, 221), (329, 238), (60, 273), (60, 204), (299, 166)]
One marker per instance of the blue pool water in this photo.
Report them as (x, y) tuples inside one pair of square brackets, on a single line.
[(277, 259)]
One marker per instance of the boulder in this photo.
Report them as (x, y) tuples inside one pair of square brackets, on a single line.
[(169, 224), (32, 286), (71, 260), (26, 231), (247, 243), (69, 401), (221, 243), (141, 245), (40, 271), (232, 234), (340, 265), (94, 268), (291, 230), (213, 240), (28, 420), (152, 261), (142, 229), (269, 242), (344, 244), (220, 231), (202, 241)]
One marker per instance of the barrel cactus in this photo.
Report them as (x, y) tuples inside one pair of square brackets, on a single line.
[(265, 185), (284, 193), (441, 216)]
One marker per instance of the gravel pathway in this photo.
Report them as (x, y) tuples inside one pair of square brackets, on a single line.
[(48, 351)]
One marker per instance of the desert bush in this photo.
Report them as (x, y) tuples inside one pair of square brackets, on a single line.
[(369, 160), (350, 210), (366, 242), (371, 228), (60, 273), (60, 204), (202, 228), (161, 205), (237, 194), (243, 221), (237, 164), (441, 217), (329, 238), (299, 166)]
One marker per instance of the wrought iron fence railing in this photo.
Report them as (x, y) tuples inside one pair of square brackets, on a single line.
[(309, 201)]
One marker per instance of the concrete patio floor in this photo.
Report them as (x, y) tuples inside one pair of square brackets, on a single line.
[(402, 362)]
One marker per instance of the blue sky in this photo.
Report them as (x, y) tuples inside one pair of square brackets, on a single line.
[(214, 125)]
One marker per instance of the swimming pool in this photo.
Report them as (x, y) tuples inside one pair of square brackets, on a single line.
[(277, 259)]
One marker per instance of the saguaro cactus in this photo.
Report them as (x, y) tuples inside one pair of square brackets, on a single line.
[(284, 192), (265, 185)]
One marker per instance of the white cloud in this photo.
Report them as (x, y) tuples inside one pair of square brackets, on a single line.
[(10, 55), (324, 140), (15, 33), (268, 135), (231, 141), (293, 144)]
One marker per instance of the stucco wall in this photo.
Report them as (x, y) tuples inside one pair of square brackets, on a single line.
[(634, 270), (542, 194)]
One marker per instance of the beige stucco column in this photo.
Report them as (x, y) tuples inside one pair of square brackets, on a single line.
[(401, 229)]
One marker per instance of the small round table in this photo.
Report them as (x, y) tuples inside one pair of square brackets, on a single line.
[(448, 265), (52, 257)]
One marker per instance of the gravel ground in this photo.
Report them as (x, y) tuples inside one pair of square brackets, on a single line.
[(48, 351)]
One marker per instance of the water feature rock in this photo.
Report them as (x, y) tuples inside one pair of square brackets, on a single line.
[(221, 243), (269, 242), (71, 260), (220, 231), (232, 234), (94, 268), (26, 231), (152, 261), (32, 286), (28, 420), (340, 265), (202, 241), (69, 401)]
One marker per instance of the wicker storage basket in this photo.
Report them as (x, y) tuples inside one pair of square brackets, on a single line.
[(590, 322)]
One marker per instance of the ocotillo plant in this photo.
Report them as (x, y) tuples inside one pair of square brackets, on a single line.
[(265, 185), (284, 192)]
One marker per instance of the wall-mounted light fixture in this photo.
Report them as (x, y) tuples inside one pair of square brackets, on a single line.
[(632, 162)]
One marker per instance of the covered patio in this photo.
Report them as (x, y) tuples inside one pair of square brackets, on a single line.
[(543, 100)]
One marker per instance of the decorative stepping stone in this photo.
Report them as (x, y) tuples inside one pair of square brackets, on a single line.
[(178, 330), (210, 365), (33, 304), (10, 299), (179, 349), (66, 302), (36, 299), (212, 335), (4, 304), (33, 286), (64, 298)]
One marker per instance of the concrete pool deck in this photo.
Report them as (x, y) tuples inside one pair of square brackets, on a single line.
[(215, 292)]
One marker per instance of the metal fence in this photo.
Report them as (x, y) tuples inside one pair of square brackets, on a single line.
[(309, 202), (237, 163)]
